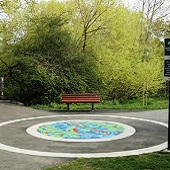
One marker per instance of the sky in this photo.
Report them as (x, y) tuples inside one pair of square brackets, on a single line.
[(130, 3)]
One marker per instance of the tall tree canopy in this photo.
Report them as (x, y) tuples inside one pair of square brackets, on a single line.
[(53, 47)]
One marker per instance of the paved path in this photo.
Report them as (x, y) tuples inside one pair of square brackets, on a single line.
[(13, 135)]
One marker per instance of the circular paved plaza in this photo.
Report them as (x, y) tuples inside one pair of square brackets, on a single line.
[(73, 135)]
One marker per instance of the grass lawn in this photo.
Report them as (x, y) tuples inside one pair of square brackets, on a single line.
[(152, 161), (136, 104)]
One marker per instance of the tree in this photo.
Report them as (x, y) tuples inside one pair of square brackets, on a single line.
[(81, 46), (152, 13), (47, 62), (126, 74), (88, 19)]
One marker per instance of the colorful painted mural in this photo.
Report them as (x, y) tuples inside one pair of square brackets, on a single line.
[(81, 130)]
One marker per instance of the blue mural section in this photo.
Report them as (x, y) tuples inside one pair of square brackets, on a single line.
[(81, 130)]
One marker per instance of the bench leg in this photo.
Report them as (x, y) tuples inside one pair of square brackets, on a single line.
[(92, 106), (68, 107)]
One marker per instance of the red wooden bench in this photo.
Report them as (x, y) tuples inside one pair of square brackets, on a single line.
[(80, 98)]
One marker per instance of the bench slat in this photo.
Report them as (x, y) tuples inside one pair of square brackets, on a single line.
[(80, 101), (83, 96)]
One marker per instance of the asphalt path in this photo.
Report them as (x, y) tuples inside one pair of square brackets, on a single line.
[(22, 151)]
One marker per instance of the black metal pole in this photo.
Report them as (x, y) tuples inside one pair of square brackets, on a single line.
[(92, 106), (169, 120), (68, 108)]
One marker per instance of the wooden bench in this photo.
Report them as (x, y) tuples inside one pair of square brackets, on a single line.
[(80, 98)]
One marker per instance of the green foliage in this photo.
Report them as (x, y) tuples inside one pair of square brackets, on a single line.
[(46, 61), (127, 75), (49, 48)]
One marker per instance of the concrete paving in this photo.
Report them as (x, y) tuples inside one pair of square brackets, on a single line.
[(26, 148)]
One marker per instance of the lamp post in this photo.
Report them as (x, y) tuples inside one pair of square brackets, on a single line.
[(1, 87)]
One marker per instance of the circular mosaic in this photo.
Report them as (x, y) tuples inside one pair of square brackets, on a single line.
[(81, 131)]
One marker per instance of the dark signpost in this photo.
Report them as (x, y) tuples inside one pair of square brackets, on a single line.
[(167, 47), (167, 77), (167, 68)]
